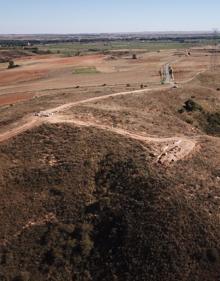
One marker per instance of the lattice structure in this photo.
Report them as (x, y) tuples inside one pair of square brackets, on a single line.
[(214, 52), (167, 74)]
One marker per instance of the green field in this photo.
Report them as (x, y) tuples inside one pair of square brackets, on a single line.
[(77, 48), (85, 70)]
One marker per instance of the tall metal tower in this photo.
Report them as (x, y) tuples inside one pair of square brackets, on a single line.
[(214, 52)]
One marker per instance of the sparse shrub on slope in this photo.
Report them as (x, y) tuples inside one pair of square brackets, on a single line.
[(190, 105), (213, 126), (12, 64), (114, 217), (209, 122)]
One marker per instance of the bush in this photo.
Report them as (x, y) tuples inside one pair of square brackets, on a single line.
[(134, 56), (77, 53), (189, 121), (48, 52), (181, 110), (11, 64), (191, 105), (213, 120)]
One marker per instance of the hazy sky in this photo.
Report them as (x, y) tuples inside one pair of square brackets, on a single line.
[(82, 16)]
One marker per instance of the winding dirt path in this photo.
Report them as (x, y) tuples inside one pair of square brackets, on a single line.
[(170, 149), (71, 104), (166, 150), (30, 121)]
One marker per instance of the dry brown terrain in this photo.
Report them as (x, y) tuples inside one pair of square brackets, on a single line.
[(107, 174), (48, 72)]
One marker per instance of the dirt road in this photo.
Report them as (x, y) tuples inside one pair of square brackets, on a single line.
[(166, 150), (71, 104), (171, 150), (32, 121), (28, 123)]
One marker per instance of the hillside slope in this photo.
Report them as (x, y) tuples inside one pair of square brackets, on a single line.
[(84, 204)]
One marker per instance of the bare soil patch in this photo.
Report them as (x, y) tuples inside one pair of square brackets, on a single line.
[(16, 76), (14, 98)]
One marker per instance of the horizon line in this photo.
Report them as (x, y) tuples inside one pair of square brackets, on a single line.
[(122, 32)]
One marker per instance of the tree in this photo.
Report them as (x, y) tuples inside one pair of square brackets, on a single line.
[(134, 56), (11, 64)]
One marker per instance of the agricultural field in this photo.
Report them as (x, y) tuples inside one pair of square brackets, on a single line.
[(75, 48), (145, 45), (107, 172)]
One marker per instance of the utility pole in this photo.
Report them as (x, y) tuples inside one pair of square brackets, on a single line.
[(167, 74), (214, 52)]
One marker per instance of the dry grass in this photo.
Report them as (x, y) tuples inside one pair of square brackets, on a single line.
[(87, 204)]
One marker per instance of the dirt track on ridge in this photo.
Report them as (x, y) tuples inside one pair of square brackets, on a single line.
[(173, 149), (32, 121), (167, 150), (71, 104)]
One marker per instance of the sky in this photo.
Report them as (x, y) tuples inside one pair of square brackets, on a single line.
[(98, 16)]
